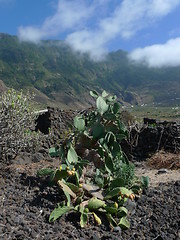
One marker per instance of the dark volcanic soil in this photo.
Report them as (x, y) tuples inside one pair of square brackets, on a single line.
[(26, 202)]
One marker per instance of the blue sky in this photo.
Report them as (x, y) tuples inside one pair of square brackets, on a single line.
[(148, 29)]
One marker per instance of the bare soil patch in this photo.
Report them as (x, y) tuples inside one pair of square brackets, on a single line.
[(161, 167)]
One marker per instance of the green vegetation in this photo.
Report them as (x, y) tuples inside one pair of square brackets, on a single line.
[(65, 77), (17, 122), (112, 182), (159, 113)]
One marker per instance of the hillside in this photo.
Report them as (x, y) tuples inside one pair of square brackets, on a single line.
[(61, 77)]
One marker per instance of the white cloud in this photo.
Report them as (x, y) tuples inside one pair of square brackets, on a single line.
[(125, 21), (69, 14), (160, 8), (88, 42), (159, 55), (131, 16), (126, 18)]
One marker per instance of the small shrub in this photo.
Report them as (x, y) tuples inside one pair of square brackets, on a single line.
[(17, 122)]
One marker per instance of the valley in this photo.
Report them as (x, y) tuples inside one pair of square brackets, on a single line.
[(60, 77)]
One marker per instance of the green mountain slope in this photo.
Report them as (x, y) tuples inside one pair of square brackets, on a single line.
[(58, 75)]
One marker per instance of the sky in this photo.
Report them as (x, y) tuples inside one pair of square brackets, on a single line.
[(149, 30)]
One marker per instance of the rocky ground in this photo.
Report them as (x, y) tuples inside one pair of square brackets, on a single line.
[(26, 202)]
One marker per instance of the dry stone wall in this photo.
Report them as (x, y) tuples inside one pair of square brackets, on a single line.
[(154, 136), (145, 140)]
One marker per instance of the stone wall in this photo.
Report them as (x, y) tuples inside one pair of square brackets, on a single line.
[(143, 141), (154, 136)]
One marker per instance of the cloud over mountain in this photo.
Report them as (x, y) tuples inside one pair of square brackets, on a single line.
[(73, 19), (159, 55)]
